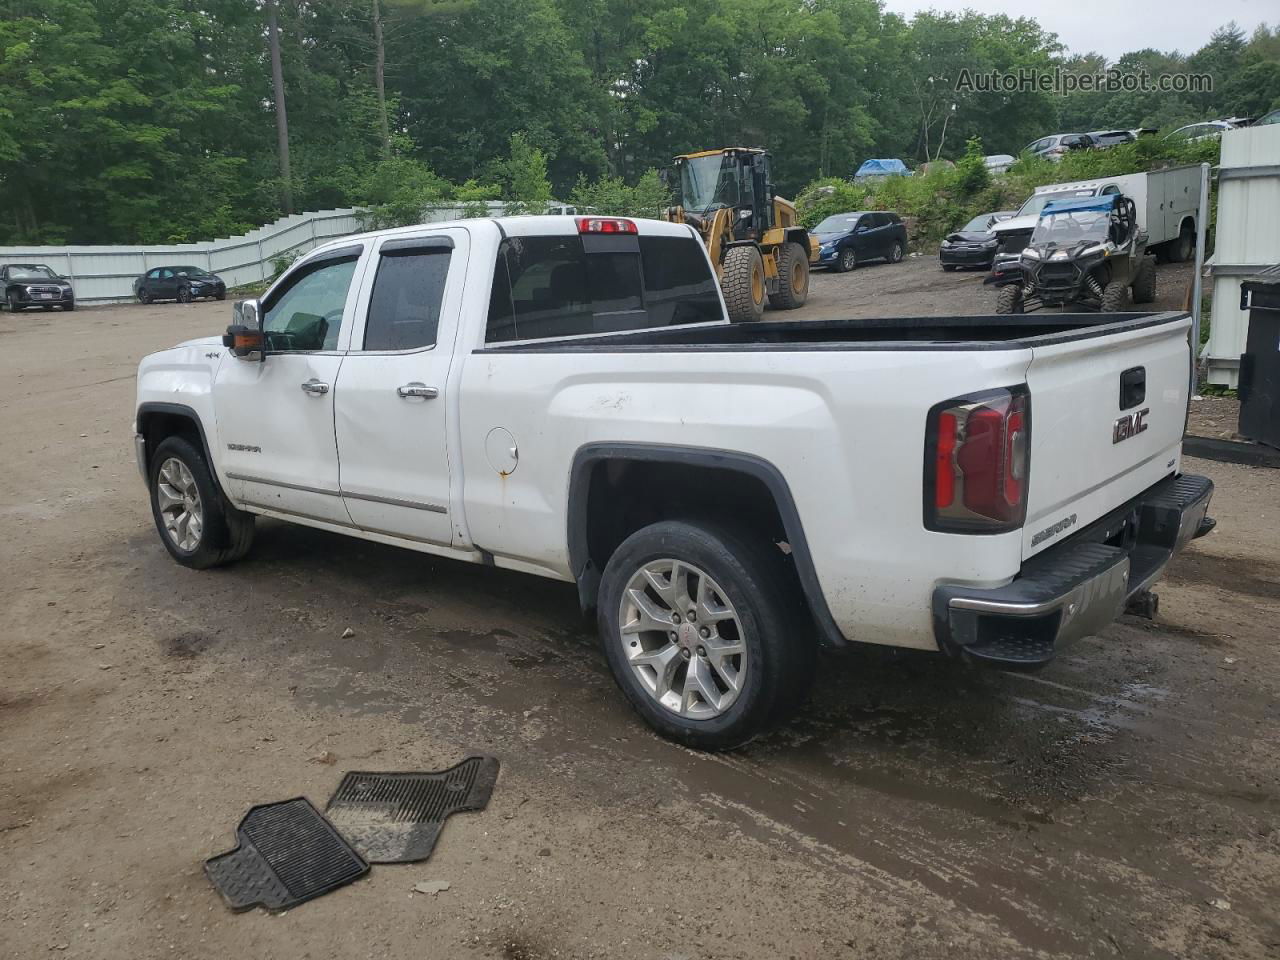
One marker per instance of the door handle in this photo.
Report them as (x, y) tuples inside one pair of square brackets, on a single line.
[(417, 389), (315, 387)]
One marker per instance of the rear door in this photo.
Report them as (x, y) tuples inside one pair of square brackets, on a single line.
[(1093, 445), (390, 401)]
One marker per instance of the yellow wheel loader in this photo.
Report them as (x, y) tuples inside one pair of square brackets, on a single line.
[(758, 247)]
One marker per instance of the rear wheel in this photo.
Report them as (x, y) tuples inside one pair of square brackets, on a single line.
[(704, 632), (1144, 282), (1180, 250), (743, 284), (196, 524), (793, 278), (1009, 299), (1115, 297), (895, 253)]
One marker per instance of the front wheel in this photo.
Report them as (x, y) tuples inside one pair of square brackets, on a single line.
[(184, 294), (1009, 299), (1115, 297), (12, 299), (949, 267), (1144, 282), (198, 527), (705, 633), (846, 260), (144, 296), (742, 282)]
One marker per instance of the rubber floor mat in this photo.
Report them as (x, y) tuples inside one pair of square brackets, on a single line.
[(287, 853), (396, 817)]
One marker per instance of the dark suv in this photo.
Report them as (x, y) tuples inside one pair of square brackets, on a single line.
[(848, 239), (35, 285), (183, 284)]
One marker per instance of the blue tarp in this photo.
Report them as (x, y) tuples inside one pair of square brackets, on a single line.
[(883, 168), (1080, 204)]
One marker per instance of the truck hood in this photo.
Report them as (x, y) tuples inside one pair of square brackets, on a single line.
[(1016, 223), (214, 341)]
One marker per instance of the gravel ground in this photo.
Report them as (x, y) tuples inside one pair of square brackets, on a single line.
[(1122, 803)]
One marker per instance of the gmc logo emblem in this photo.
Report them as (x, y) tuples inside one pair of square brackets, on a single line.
[(1130, 425)]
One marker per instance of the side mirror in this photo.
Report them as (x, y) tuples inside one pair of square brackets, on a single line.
[(244, 336)]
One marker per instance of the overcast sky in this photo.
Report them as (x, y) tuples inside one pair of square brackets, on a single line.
[(1113, 28)]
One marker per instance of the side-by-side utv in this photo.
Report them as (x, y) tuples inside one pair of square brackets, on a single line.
[(1086, 251)]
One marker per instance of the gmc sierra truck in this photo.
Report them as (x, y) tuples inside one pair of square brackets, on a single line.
[(565, 397)]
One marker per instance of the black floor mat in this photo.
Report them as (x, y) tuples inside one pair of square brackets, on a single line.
[(396, 817), (288, 852)]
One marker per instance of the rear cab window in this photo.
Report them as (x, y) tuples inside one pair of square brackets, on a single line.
[(573, 285)]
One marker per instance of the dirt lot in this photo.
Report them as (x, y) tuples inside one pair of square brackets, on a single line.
[(1122, 803)]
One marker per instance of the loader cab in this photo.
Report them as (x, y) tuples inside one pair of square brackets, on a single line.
[(737, 178)]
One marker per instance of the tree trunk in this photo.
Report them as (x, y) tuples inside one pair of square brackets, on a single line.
[(379, 76), (282, 118)]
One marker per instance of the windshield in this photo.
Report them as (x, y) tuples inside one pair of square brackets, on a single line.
[(1071, 227), (840, 223), (978, 224), (1033, 206), (707, 183), (26, 271)]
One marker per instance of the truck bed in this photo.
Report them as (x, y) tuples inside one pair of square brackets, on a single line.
[(984, 332)]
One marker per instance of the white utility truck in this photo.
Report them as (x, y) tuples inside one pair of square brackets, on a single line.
[(565, 397), (1166, 201)]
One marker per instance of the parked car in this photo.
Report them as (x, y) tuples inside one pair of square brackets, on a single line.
[(1202, 131), (994, 496), (183, 284), (999, 162), (1111, 138), (1267, 119), (35, 285), (1056, 146), (848, 239), (974, 244)]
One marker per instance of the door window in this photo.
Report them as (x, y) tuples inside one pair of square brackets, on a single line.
[(154, 274), (166, 274), (404, 308), (306, 313)]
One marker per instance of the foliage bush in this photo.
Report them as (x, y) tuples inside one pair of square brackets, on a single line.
[(610, 196), (943, 200)]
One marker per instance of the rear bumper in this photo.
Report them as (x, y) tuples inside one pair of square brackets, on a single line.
[(1075, 589)]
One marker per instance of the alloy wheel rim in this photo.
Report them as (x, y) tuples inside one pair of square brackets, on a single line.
[(178, 499), (682, 639), (849, 259)]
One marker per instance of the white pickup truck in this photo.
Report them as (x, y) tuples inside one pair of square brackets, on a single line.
[(565, 397)]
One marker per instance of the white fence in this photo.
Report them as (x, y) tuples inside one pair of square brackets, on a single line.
[(105, 274), (1247, 239)]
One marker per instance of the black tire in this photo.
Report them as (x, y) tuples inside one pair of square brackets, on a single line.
[(12, 300), (184, 294), (227, 533), (1182, 249), (776, 629), (896, 252), (793, 278), (949, 267), (144, 296), (1009, 299), (742, 281), (1115, 297), (69, 306), (222, 295), (846, 260), (1144, 282)]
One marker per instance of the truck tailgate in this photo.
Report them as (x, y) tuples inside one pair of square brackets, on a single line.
[(1090, 450)]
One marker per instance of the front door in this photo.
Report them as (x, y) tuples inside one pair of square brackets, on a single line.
[(275, 418), (391, 403)]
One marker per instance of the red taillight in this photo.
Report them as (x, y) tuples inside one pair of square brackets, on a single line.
[(977, 463), (606, 225)]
